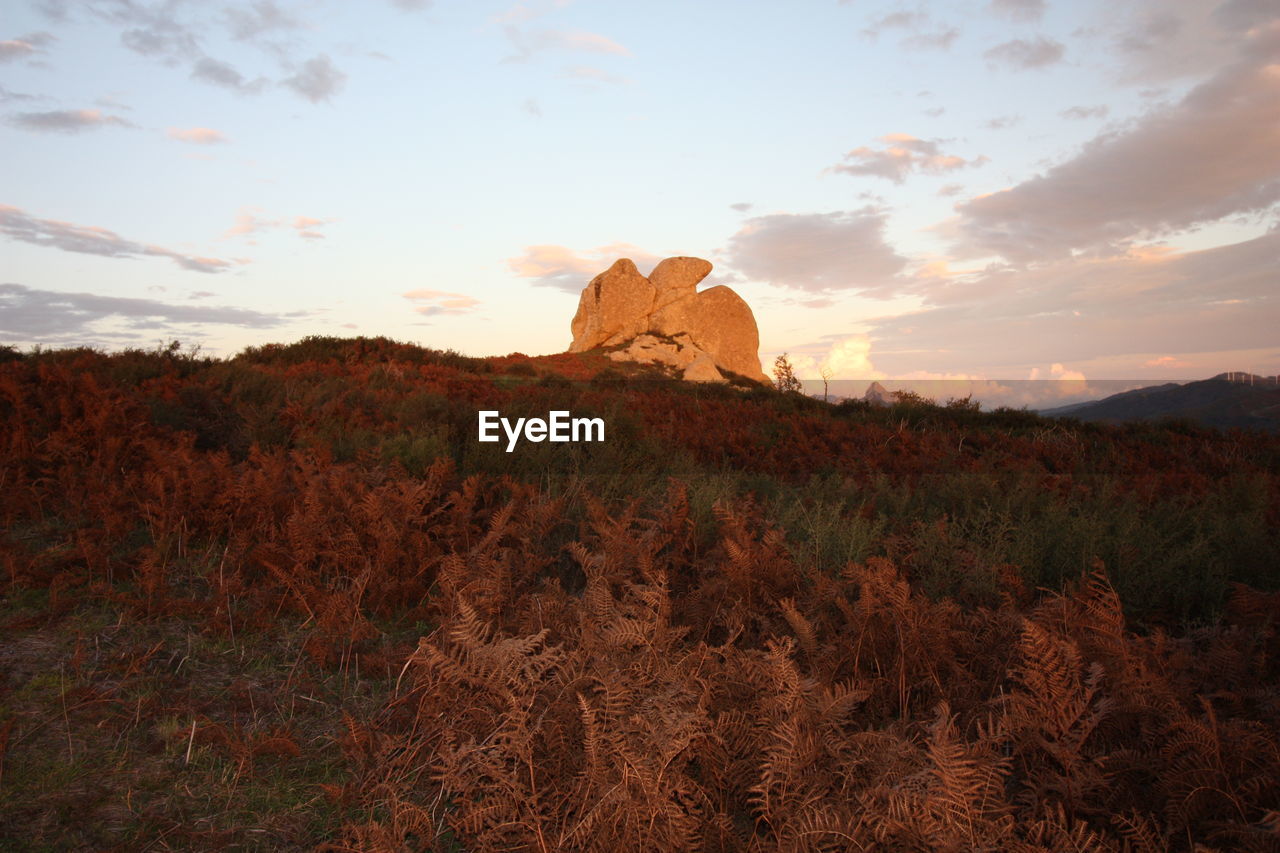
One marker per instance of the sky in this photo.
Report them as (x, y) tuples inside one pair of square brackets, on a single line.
[(994, 189)]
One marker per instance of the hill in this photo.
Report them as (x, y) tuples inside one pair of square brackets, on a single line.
[(288, 600), (1224, 401)]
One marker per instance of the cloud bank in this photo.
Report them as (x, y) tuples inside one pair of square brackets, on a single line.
[(30, 314), (1214, 154), (818, 252), (93, 240), (67, 121)]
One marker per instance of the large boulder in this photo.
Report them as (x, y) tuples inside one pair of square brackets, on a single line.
[(713, 328), (612, 307), (676, 279), (722, 324)]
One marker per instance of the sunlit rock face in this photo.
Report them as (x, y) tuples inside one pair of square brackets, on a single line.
[(665, 319)]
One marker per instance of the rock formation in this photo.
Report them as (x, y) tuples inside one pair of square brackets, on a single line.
[(877, 395), (665, 319)]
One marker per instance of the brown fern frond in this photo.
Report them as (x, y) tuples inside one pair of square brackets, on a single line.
[(590, 739), (801, 626), (1140, 833)]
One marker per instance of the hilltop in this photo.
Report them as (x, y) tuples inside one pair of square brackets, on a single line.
[(1225, 401), (287, 599)]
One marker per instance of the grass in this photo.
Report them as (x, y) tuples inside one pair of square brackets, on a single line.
[(150, 734)]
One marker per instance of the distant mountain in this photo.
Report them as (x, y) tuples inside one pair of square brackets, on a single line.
[(877, 395), (1224, 401), (1131, 395)]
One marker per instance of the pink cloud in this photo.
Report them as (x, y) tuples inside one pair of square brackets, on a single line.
[(196, 135), (248, 222), (431, 303), (1166, 361), (568, 270), (306, 227), (902, 155)]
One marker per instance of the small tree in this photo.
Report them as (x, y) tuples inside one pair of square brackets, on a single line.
[(827, 373), (784, 378)]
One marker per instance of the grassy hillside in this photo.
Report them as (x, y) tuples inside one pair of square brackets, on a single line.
[(287, 600)]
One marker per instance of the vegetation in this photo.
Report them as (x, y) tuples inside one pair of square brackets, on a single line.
[(287, 601), (784, 377)]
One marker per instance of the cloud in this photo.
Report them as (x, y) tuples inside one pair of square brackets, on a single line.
[(263, 16), (948, 190), (166, 40), (916, 24), (318, 79), (817, 252), (902, 155), (1158, 41), (741, 206), (25, 46), (196, 135), (585, 41), (532, 107), (92, 240), (172, 31), (1214, 154), (411, 5), (30, 314), (222, 74), (564, 269), (248, 223), (1166, 361), (67, 121), (594, 75), (1241, 15), (1023, 11), (845, 357), (307, 226), (154, 31), (850, 357), (7, 95), (431, 303), (1057, 372), (578, 40), (1025, 54), (941, 39), (1002, 122), (1074, 310), (528, 44), (1098, 111), (896, 21)]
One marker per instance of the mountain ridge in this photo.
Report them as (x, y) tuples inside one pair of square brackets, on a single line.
[(1227, 400)]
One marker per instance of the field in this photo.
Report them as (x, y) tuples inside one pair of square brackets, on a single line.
[(287, 601)]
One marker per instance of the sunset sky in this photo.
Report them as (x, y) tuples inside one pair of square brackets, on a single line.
[(998, 188)]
